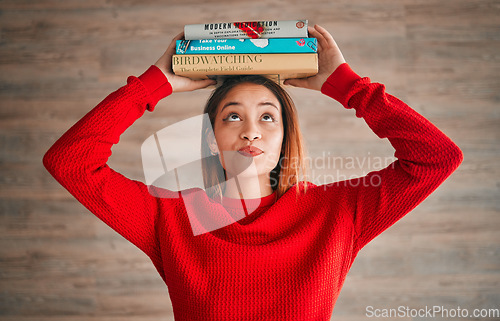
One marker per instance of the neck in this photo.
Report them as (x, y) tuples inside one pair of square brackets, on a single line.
[(248, 187)]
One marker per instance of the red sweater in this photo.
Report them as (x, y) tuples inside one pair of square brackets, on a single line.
[(288, 259)]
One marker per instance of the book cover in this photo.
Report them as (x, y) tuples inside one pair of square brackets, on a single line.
[(250, 29), (239, 46), (284, 65)]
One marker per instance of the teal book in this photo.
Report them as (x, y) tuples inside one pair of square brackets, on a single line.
[(251, 46)]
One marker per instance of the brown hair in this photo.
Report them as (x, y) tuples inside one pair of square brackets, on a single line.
[(291, 163)]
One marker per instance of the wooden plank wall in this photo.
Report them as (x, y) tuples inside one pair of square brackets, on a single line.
[(58, 59)]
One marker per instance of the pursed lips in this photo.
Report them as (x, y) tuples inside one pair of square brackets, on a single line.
[(250, 151)]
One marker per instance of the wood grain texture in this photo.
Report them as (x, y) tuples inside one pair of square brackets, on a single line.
[(58, 59)]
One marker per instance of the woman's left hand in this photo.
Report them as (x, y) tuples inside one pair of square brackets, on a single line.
[(329, 58)]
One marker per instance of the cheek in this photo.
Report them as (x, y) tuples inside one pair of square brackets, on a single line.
[(224, 137), (220, 134), (277, 140), (280, 135)]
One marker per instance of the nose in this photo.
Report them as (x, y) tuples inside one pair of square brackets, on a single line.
[(250, 132)]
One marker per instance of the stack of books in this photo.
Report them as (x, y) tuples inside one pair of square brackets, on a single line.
[(278, 49)]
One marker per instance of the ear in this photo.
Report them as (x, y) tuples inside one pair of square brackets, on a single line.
[(212, 143)]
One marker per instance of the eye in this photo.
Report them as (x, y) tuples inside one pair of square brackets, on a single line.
[(268, 118), (232, 117)]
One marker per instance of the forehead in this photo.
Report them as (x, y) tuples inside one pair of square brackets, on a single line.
[(249, 94)]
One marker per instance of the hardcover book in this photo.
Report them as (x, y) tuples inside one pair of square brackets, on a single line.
[(250, 29), (239, 46), (284, 65)]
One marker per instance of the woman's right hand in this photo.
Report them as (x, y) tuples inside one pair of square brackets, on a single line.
[(179, 83)]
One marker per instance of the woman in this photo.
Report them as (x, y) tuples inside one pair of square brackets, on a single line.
[(288, 256)]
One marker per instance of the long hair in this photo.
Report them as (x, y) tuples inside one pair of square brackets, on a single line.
[(291, 164)]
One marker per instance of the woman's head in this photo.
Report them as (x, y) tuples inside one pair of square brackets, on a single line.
[(252, 111)]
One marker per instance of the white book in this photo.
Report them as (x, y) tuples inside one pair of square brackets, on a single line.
[(249, 29)]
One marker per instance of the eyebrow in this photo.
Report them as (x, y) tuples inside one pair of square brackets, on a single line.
[(234, 103)]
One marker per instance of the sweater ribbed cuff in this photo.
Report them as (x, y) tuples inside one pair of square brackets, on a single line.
[(339, 83), (156, 84)]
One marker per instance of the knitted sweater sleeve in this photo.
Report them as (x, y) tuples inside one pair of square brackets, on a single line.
[(425, 156), (78, 161)]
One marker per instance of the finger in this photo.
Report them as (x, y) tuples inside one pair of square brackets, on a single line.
[(320, 47), (203, 83), (315, 34), (179, 36), (326, 35), (325, 39), (322, 42), (206, 82), (310, 30), (296, 82), (171, 47)]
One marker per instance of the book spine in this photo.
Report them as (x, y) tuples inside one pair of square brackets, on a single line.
[(239, 46), (286, 65), (250, 29)]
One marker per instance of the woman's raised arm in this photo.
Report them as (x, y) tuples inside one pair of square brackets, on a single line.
[(426, 156), (78, 160)]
